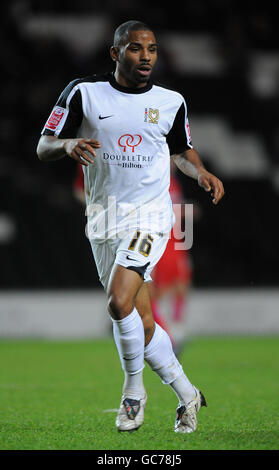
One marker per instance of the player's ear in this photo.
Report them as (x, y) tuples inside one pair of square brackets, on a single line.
[(114, 52)]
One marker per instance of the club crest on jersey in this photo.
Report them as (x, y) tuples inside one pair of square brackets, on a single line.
[(151, 115)]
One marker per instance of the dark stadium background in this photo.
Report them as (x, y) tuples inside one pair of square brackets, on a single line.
[(42, 241)]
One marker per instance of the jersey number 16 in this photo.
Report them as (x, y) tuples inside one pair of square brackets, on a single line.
[(145, 243)]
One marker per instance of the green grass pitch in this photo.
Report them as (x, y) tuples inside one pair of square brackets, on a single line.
[(61, 395)]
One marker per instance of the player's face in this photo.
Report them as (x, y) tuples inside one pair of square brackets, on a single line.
[(136, 58)]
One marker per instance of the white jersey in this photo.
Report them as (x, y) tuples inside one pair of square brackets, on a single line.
[(127, 186)]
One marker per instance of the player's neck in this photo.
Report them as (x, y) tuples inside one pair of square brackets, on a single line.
[(122, 81)]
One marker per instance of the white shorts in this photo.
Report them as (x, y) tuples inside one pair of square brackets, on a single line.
[(139, 251)]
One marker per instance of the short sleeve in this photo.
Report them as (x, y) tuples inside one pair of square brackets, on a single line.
[(179, 137), (66, 116)]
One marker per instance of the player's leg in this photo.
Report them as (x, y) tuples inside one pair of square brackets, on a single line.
[(135, 253), (128, 334), (159, 354), (121, 285), (158, 351), (143, 306)]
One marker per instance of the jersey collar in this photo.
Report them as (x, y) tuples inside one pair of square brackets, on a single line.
[(124, 89)]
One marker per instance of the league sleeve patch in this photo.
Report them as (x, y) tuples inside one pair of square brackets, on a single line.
[(188, 132), (56, 119), (188, 129)]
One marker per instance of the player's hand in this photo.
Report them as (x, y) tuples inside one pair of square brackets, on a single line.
[(82, 150), (209, 182)]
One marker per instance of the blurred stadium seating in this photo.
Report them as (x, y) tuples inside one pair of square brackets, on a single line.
[(225, 62)]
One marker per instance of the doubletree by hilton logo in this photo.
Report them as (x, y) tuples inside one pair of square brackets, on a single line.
[(129, 140), (129, 157)]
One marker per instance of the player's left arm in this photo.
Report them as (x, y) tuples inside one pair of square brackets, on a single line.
[(190, 164)]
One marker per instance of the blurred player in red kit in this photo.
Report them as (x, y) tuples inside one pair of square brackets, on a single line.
[(172, 276), (78, 185)]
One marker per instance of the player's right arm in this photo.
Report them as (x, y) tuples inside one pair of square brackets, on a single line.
[(51, 148), (187, 158), (58, 138)]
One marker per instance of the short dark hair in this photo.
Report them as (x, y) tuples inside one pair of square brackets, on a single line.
[(121, 33)]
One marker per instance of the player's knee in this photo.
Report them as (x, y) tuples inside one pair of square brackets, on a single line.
[(119, 306)]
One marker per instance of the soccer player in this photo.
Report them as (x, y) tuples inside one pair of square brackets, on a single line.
[(123, 128)]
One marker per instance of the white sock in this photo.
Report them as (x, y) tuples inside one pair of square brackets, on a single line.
[(183, 389), (129, 339), (162, 360)]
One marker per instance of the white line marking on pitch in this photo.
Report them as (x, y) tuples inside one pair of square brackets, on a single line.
[(111, 410)]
